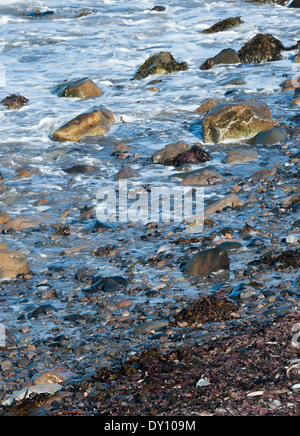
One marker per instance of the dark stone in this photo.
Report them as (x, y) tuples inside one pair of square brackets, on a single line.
[(222, 25), (158, 8), (295, 4), (41, 311), (207, 261), (195, 155), (261, 48), (226, 56), (161, 63), (15, 101), (81, 169)]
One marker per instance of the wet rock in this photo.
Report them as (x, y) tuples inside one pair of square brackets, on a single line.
[(15, 101), (161, 63), (206, 177), (4, 217), (240, 156), (207, 309), (169, 152), (158, 8), (232, 121), (37, 14), (207, 105), (81, 169), (80, 88), (230, 245), (269, 137), (22, 223), (95, 122), (56, 374), (150, 326), (207, 261), (244, 291), (226, 56), (126, 173), (223, 25), (41, 311), (261, 48), (13, 263), (230, 201), (295, 4), (289, 259)]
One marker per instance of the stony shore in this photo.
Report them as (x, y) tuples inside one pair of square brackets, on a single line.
[(156, 319)]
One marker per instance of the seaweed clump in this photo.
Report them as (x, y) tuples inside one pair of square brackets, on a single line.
[(289, 259), (223, 25), (206, 310), (194, 155), (261, 48)]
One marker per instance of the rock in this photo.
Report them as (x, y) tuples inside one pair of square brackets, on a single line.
[(4, 217), (223, 25), (15, 101), (22, 223), (45, 388), (13, 263), (41, 311), (38, 14), (95, 122), (233, 121), (230, 245), (240, 156), (158, 8), (295, 4), (149, 327), (297, 58), (126, 173), (261, 48), (207, 261), (160, 63), (56, 374), (207, 105), (269, 137), (227, 56), (81, 88), (169, 152), (230, 201), (81, 169), (206, 177)]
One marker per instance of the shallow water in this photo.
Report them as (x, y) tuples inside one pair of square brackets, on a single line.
[(109, 46)]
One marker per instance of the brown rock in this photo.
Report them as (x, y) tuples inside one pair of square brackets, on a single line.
[(207, 105), (160, 63), (95, 122), (206, 177), (22, 223), (55, 375), (232, 121), (81, 88), (239, 156), (207, 261), (230, 201), (227, 56), (81, 169), (12, 263), (170, 152), (4, 217), (126, 173)]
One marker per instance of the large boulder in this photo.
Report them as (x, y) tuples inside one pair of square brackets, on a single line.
[(207, 261), (160, 63), (95, 122), (262, 48), (234, 121), (13, 263), (295, 4), (81, 88)]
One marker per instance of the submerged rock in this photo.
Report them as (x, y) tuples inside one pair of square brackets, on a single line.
[(95, 122), (81, 88), (161, 63), (207, 261), (226, 56), (222, 25), (232, 121), (230, 201), (13, 263), (261, 48)]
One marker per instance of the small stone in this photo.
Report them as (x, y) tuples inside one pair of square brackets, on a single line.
[(15, 101), (161, 63)]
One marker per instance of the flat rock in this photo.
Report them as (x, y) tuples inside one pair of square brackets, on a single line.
[(206, 177), (13, 263), (150, 326), (95, 122), (240, 156), (230, 201)]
